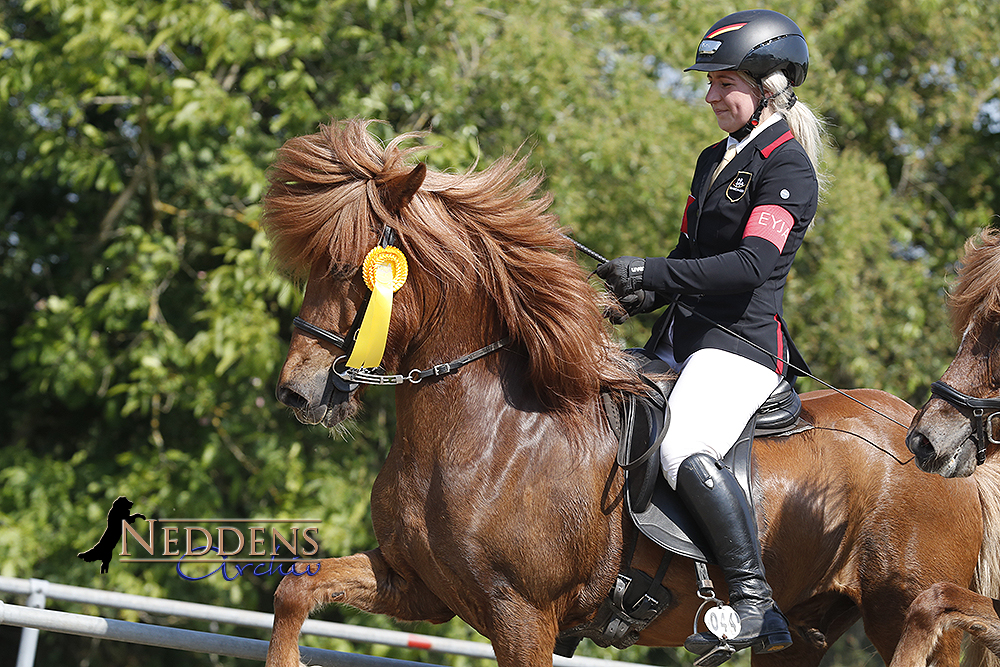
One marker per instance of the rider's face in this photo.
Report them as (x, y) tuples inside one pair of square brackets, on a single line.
[(732, 99)]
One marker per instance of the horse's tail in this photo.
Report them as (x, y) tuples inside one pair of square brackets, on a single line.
[(987, 578)]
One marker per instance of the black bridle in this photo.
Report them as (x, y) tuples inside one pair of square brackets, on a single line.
[(985, 415), (347, 379)]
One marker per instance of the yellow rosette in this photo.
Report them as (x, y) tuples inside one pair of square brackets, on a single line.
[(384, 272)]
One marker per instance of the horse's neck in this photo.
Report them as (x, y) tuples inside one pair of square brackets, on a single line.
[(483, 424), (487, 403), (477, 389)]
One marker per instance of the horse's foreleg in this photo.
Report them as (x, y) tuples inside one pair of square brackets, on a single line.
[(365, 581), (942, 608), (522, 636)]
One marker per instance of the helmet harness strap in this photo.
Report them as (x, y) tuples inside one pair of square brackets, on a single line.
[(765, 99)]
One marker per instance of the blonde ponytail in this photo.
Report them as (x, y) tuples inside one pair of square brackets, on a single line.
[(808, 128)]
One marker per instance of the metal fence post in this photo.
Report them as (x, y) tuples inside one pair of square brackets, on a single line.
[(29, 636)]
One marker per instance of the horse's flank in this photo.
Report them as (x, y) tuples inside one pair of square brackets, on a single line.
[(488, 228)]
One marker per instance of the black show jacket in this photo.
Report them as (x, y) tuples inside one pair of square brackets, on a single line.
[(738, 239)]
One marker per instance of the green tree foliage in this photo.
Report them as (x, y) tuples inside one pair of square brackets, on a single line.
[(144, 326)]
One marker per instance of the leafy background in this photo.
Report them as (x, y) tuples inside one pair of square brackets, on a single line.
[(143, 326)]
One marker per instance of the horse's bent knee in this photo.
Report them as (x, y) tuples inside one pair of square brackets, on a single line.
[(932, 603), (933, 594), (291, 598)]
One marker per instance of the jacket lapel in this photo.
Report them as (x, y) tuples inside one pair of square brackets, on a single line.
[(736, 165), (703, 190), (746, 154)]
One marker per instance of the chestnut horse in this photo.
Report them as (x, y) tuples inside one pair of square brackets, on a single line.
[(500, 500), (958, 428)]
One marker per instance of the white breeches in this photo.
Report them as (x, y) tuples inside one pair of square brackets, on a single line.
[(715, 396)]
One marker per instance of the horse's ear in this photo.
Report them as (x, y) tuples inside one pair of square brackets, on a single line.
[(397, 191)]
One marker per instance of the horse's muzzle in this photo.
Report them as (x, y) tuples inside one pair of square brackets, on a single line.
[(317, 400), (958, 461)]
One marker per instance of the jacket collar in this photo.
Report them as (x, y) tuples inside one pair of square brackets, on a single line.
[(752, 136), (758, 142)]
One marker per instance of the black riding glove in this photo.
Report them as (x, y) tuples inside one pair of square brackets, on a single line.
[(642, 301), (623, 275)]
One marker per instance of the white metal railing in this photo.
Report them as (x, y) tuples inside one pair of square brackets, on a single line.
[(34, 617), (176, 638)]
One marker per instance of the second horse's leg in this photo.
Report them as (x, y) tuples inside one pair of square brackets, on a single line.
[(942, 608)]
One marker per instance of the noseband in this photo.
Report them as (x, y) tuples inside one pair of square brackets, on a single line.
[(985, 415), (347, 379)]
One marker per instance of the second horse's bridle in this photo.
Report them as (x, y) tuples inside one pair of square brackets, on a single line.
[(985, 418)]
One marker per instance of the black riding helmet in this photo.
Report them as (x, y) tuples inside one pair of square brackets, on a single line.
[(755, 41)]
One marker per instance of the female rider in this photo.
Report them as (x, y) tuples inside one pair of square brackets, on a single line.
[(752, 197)]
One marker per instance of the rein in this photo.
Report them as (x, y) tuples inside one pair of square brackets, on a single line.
[(795, 368), (985, 415), (805, 373)]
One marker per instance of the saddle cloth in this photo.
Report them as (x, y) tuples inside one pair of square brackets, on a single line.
[(656, 508)]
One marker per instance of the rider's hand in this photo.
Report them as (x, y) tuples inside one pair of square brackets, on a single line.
[(632, 304), (642, 301), (623, 275)]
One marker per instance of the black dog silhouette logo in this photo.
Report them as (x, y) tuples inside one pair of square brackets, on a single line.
[(105, 547)]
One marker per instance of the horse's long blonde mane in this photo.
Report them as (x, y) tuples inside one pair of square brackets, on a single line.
[(976, 293), (490, 227)]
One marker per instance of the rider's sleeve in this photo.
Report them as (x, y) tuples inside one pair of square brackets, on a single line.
[(786, 198), (741, 270)]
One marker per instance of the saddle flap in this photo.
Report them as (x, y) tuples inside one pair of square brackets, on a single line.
[(665, 519), (640, 422)]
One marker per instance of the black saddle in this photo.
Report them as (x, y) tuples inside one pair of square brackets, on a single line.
[(641, 422)]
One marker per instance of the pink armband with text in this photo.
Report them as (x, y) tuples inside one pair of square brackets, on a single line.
[(770, 222)]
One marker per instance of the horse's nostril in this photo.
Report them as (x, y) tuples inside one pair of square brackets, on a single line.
[(290, 398), (919, 445)]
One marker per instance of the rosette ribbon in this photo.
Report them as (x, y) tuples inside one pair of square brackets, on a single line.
[(384, 272)]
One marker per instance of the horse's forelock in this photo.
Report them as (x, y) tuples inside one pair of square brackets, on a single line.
[(975, 303), (323, 204)]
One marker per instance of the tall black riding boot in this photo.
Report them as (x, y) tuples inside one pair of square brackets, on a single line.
[(715, 499)]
